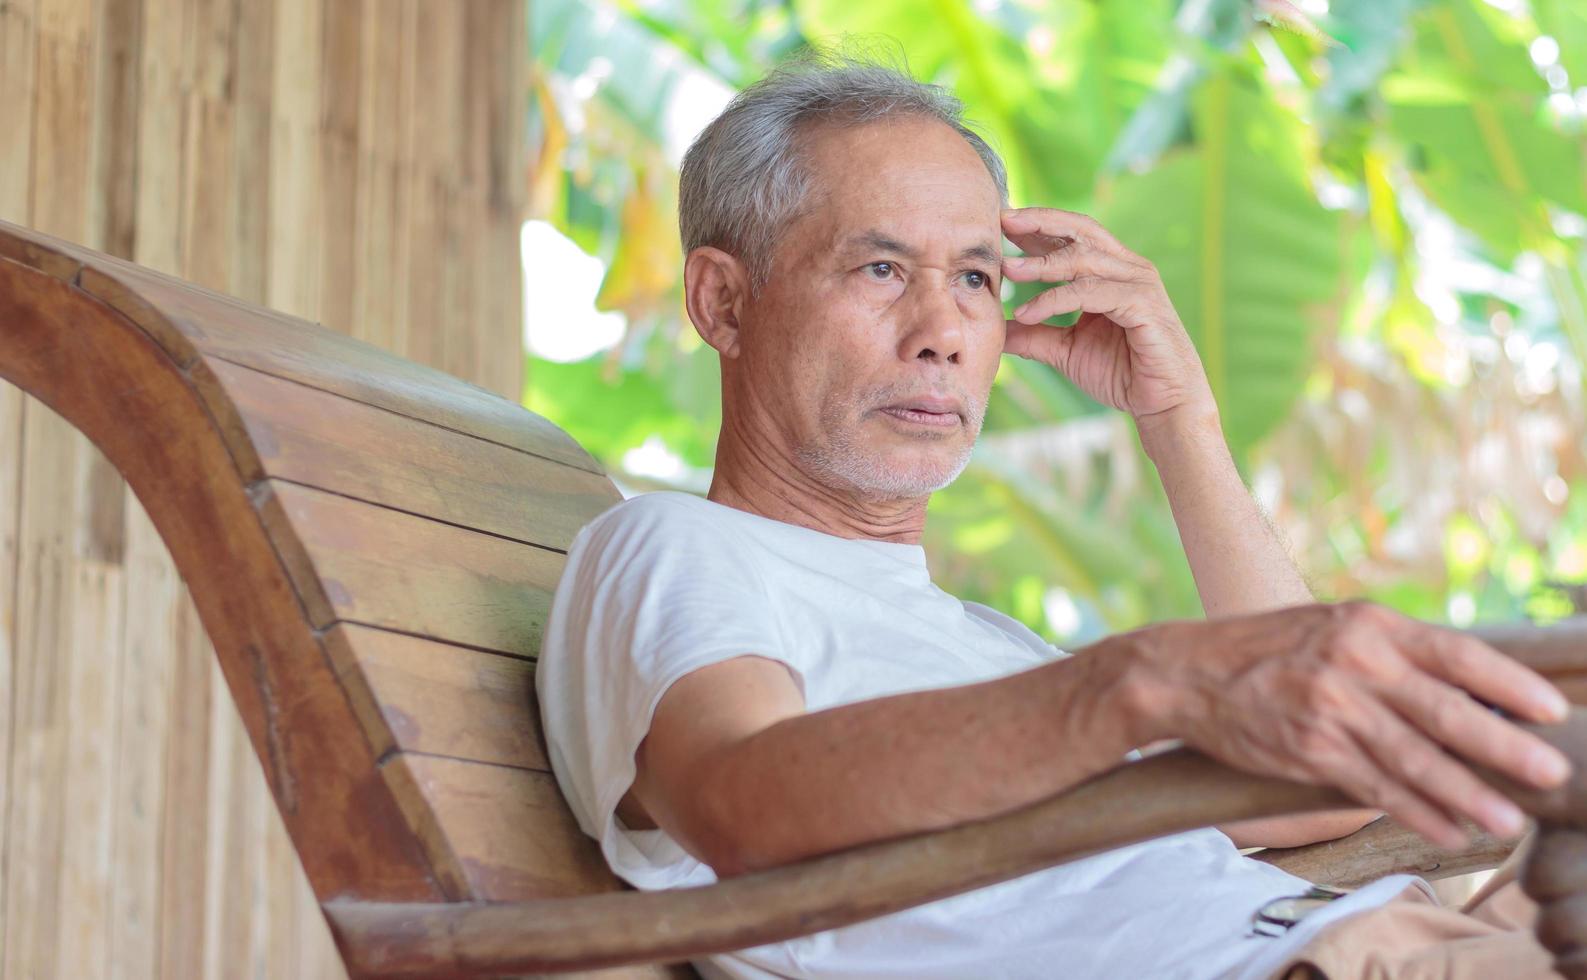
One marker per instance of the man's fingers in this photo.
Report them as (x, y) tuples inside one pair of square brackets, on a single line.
[(1039, 342), (1375, 786), (1089, 294), (1070, 262), (1468, 663), (1473, 732), (1421, 765), (1057, 223)]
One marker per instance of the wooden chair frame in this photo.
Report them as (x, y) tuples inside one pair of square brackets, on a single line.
[(138, 362)]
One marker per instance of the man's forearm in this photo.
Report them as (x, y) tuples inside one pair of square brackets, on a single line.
[(1239, 561), (1240, 565), (915, 762)]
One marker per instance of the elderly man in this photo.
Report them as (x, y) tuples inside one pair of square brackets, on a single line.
[(768, 673)]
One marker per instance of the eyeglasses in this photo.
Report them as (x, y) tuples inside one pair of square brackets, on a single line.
[(1280, 915)]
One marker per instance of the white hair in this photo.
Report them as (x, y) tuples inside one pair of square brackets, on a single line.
[(742, 180)]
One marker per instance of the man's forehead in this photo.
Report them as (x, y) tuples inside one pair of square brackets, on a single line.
[(889, 157), (909, 184), (903, 243)]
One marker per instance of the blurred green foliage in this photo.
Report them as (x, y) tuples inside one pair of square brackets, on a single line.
[(1371, 222)]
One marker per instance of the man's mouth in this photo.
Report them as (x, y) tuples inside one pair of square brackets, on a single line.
[(938, 412)]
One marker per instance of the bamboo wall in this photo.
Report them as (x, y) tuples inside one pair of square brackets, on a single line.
[(358, 163)]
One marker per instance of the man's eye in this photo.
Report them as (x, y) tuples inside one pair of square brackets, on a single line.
[(880, 270), (977, 280)]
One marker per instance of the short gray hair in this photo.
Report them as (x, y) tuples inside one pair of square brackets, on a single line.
[(742, 180)]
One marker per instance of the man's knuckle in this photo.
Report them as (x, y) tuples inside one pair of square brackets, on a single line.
[(1359, 611), (1314, 744), (1418, 761), (1344, 651), (1325, 695), (1444, 716)]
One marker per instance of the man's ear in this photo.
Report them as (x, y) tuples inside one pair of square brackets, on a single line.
[(716, 290)]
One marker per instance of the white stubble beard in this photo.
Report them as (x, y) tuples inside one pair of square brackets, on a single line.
[(839, 461)]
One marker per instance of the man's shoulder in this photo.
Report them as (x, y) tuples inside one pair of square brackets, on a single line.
[(665, 523), (659, 512)]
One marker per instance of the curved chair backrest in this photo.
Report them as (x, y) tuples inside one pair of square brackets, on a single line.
[(372, 546)]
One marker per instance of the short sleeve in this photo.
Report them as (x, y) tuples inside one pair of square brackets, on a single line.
[(653, 589)]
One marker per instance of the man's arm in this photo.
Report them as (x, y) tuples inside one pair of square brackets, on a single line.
[(737, 772), (1128, 349), (1240, 565), (740, 775)]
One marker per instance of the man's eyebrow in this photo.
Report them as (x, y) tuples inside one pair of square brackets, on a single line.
[(984, 251), (878, 241)]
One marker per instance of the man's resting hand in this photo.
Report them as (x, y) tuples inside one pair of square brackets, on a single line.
[(1359, 697)]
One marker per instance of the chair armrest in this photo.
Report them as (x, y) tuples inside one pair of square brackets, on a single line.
[(1168, 793), (1383, 848), (1165, 794)]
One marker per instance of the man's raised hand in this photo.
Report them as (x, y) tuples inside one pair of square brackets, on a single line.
[(1128, 349)]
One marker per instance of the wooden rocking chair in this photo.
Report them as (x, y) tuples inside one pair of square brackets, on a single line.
[(372, 546)]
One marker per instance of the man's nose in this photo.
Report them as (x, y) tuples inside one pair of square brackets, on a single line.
[(934, 324)]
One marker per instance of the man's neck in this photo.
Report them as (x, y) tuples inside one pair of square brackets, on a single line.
[(775, 487)]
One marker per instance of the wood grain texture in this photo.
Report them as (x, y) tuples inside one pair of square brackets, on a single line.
[(192, 138), (67, 580), (356, 562), (497, 833), (11, 407), (421, 696), (308, 436), (1382, 848)]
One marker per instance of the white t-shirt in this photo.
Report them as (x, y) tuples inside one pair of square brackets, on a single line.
[(666, 583)]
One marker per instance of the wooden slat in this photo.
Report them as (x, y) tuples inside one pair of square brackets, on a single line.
[(276, 344), (63, 134), (356, 562), (497, 833), (11, 454), (251, 90), (157, 229), (18, 44), (422, 696), (226, 851), (91, 676), (56, 905), (112, 203), (311, 437), (1383, 848), (381, 271), (296, 192), (152, 598), (45, 605), (208, 194), (340, 95), (424, 300), (183, 895)]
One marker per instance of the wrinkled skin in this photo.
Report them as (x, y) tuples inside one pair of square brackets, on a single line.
[(885, 290)]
